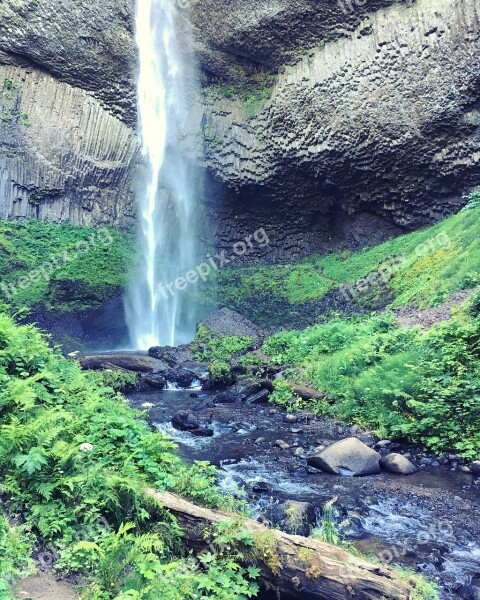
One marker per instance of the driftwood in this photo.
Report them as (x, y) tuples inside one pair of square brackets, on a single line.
[(295, 567), (130, 361)]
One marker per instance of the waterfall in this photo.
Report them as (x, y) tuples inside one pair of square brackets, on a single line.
[(166, 202)]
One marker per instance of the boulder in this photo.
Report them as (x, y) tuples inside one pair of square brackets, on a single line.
[(297, 518), (258, 398), (185, 421), (349, 457), (475, 467), (155, 381), (247, 388), (227, 397), (227, 322), (307, 393), (182, 377), (398, 464), (172, 356)]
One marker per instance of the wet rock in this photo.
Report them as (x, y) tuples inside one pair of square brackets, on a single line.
[(155, 381), (475, 467), (398, 464), (258, 398), (349, 457), (225, 398), (281, 444), (435, 463), (260, 440), (261, 487), (172, 356), (297, 518), (425, 462), (185, 421), (290, 418), (247, 388), (181, 377), (202, 432), (383, 444)]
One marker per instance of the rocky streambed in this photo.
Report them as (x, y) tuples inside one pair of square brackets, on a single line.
[(428, 521)]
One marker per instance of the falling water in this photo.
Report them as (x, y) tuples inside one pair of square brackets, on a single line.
[(166, 202)]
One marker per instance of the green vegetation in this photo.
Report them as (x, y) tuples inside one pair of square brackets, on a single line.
[(424, 267), (421, 386), (253, 94), (62, 267), (75, 462), (209, 347), (15, 551)]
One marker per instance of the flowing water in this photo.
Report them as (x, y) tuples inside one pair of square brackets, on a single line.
[(166, 201), (428, 521)]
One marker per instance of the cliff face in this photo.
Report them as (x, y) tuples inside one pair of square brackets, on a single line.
[(385, 123), (370, 128)]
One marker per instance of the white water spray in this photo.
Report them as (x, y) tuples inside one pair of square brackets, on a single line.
[(166, 238)]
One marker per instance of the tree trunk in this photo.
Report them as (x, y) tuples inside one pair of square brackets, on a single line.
[(295, 567)]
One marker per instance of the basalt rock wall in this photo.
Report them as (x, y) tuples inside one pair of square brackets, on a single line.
[(361, 122)]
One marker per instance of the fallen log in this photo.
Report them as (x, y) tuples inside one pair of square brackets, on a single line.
[(131, 361), (295, 567)]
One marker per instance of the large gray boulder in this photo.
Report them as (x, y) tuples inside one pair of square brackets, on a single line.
[(475, 467), (398, 464), (349, 457)]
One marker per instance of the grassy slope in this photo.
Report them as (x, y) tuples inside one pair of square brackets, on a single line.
[(438, 261), (91, 277)]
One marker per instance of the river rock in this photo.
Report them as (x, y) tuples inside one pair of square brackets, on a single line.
[(155, 381), (300, 453), (227, 397), (290, 418), (258, 398), (398, 464), (475, 467), (281, 444), (383, 444), (247, 388), (172, 356), (185, 421), (202, 432), (182, 377), (348, 457), (297, 518)]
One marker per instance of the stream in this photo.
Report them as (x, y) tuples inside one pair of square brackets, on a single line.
[(428, 521)]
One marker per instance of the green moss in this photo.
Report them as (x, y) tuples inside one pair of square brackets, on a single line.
[(265, 545), (62, 267)]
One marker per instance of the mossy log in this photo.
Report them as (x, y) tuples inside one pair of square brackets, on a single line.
[(295, 566)]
